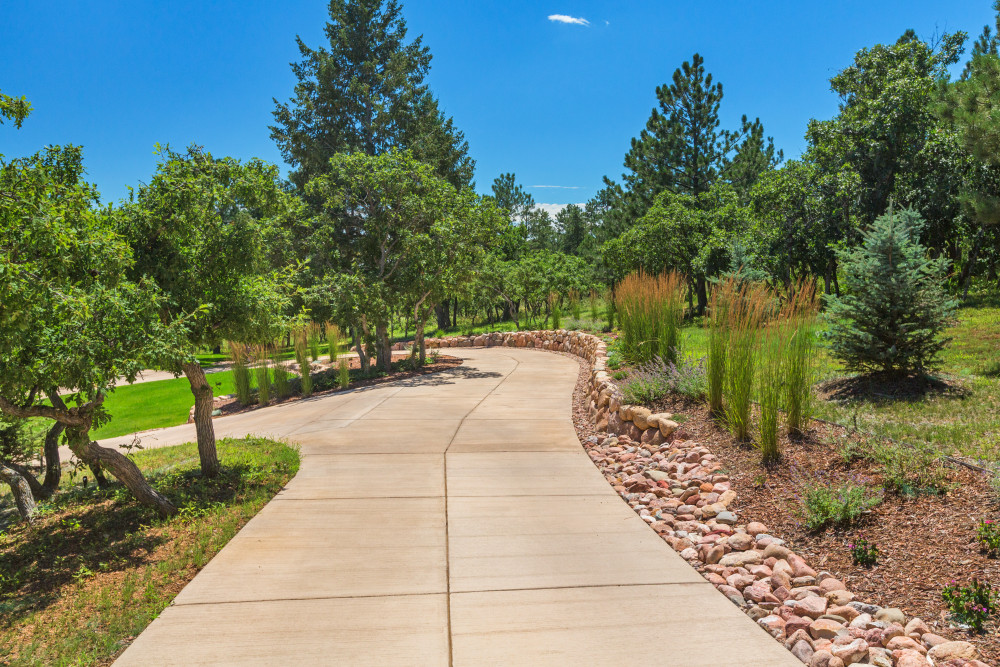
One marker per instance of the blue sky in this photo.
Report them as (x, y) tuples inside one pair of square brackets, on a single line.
[(556, 102)]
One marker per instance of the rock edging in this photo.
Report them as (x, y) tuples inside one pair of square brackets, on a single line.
[(676, 486)]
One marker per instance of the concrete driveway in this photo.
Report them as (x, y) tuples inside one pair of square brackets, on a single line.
[(450, 519)]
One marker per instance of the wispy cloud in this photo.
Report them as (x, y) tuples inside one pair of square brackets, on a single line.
[(554, 209), (572, 20), (557, 187)]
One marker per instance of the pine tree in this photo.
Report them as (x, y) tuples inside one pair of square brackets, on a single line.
[(895, 307), (366, 94), (572, 227), (682, 150)]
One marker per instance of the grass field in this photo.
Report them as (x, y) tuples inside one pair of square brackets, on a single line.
[(97, 567)]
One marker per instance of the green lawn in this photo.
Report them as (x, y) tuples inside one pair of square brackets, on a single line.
[(147, 405)]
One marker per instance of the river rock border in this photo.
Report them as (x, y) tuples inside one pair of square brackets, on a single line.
[(676, 486)]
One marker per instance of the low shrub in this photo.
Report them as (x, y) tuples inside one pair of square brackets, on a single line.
[(826, 505), (864, 553), (988, 535), (658, 378), (971, 606)]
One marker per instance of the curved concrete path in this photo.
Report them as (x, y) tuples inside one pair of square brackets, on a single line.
[(451, 519)]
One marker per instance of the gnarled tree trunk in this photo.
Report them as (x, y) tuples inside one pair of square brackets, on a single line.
[(53, 466), (383, 350), (120, 466), (203, 426), (23, 497)]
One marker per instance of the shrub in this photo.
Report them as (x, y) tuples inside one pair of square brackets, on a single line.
[(842, 505), (240, 355), (972, 605), (894, 306), (658, 378), (864, 553), (988, 535)]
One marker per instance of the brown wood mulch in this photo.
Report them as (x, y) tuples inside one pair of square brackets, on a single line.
[(926, 541), (231, 406)]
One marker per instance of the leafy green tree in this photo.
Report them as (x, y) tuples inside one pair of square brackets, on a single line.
[(385, 210), (68, 316), (365, 93), (15, 109), (886, 115), (200, 230), (895, 308)]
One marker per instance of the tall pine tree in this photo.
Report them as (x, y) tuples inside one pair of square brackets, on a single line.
[(366, 93), (682, 150)]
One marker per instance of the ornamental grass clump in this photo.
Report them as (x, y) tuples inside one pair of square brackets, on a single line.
[(751, 304), (343, 372), (594, 314), (334, 341), (609, 308), (800, 357), (770, 386), (262, 374), (717, 324), (313, 331), (279, 374), (555, 310), (574, 303), (302, 357), (240, 355), (650, 311)]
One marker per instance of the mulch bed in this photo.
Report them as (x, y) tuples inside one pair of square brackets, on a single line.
[(925, 541), (231, 406)]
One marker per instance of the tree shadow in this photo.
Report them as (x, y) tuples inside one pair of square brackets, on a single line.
[(885, 388)]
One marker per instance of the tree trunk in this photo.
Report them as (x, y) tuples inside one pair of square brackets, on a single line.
[(23, 497), (441, 312), (418, 340), (454, 313), (383, 350), (120, 466), (702, 293), (203, 426), (53, 466)]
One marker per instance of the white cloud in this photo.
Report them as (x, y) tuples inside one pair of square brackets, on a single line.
[(572, 20), (553, 209), (557, 187)]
